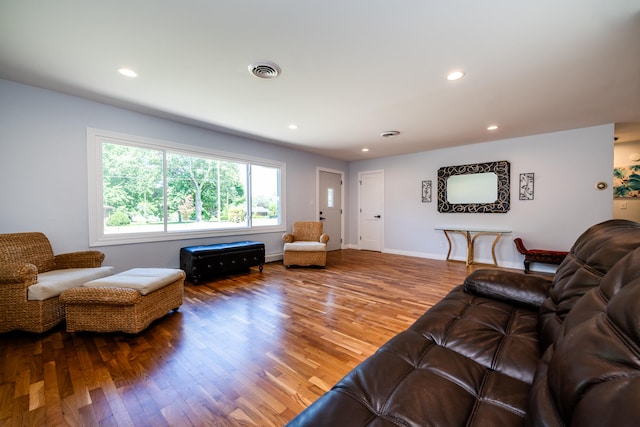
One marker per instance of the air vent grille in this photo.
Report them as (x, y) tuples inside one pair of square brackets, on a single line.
[(389, 133), (265, 70)]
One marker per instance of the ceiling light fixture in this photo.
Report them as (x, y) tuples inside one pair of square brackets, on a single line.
[(364, 150), (265, 69), (128, 72), (455, 75), (492, 127), (293, 126), (389, 133)]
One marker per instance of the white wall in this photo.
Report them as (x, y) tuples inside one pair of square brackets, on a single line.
[(43, 171), (627, 208), (567, 165)]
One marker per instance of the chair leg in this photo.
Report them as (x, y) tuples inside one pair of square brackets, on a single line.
[(526, 266)]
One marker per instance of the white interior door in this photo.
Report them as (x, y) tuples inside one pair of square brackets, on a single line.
[(330, 204), (371, 202)]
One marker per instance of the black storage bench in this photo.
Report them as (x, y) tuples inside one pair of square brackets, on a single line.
[(210, 261)]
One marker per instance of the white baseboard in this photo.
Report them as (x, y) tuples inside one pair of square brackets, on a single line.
[(540, 268), (273, 257), (413, 254)]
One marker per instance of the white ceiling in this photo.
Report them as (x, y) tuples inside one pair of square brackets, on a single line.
[(351, 69)]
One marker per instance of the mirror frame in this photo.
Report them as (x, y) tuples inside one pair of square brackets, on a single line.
[(502, 204)]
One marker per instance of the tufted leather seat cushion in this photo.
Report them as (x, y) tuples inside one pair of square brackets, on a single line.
[(467, 357)]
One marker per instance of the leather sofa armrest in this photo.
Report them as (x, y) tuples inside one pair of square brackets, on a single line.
[(84, 259), (509, 286)]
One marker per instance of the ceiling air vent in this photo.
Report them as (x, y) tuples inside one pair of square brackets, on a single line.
[(389, 133), (265, 70)]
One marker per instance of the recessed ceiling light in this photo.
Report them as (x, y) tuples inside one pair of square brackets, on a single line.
[(364, 150), (492, 127), (293, 126), (389, 133), (455, 75), (127, 72)]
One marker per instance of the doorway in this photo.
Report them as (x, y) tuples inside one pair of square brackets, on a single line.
[(330, 201), (626, 157), (371, 210)]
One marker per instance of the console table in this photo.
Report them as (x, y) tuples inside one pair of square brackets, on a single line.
[(471, 234)]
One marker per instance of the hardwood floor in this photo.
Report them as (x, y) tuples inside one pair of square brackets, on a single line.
[(247, 350)]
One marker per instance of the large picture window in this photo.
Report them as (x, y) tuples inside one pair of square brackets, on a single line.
[(146, 190)]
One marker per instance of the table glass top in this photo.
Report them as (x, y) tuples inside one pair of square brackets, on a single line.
[(474, 229)]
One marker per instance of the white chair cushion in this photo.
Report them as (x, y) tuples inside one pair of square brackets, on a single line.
[(143, 280), (54, 282), (304, 246)]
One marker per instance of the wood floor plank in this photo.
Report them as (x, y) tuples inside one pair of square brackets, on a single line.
[(7, 395), (247, 350), (36, 396)]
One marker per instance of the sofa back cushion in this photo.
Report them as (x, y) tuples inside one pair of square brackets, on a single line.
[(593, 254), (591, 375), (32, 247)]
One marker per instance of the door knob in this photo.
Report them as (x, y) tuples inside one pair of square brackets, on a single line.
[(377, 216), (322, 219)]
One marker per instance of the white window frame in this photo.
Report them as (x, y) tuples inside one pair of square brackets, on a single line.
[(97, 237)]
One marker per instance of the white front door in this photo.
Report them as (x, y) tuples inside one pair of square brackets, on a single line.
[(330, 206), (371, 202)]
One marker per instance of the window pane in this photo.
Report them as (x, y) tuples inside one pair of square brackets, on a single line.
[(147, 190), (132, 189), (265, 195), (204, 193)]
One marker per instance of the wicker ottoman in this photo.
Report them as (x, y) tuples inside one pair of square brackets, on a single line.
[(125, 302)]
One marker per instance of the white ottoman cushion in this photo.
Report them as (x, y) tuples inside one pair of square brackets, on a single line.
[(52, 283), (143, 280), (304, 246)]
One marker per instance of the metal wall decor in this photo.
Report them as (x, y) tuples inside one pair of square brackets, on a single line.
[(501, 168), (526, 186), (426, 191)]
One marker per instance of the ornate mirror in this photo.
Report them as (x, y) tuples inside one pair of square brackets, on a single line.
[(475, 188)]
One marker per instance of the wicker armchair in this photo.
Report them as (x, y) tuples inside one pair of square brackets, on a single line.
[(306, 245), (24, 259)]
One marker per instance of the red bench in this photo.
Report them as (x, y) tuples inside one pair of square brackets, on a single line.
[(538, 255)]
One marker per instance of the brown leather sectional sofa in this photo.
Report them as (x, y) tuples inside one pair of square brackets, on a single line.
[(508, 349)]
